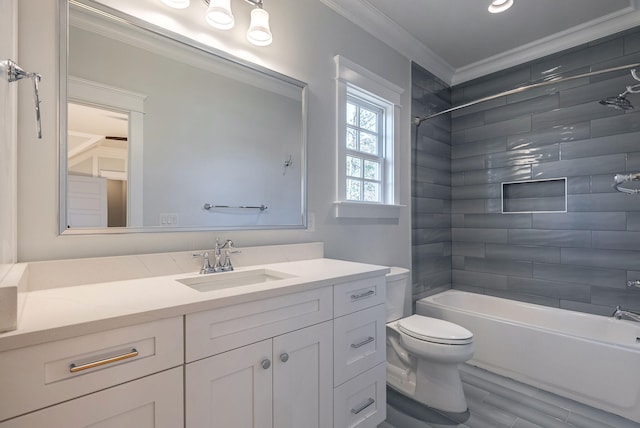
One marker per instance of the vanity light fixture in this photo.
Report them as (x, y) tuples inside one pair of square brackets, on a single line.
[(498, 6), (219, 15), (177, 4)]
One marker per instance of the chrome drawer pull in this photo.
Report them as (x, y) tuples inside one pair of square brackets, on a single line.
[(361, 295), (364, 405), (73, 368), (364, 342)]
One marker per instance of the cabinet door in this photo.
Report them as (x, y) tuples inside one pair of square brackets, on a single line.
[(232, 389), (152, 402), (302, 378)]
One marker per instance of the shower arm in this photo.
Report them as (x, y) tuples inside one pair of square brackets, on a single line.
[(620, 179), (418, 120), (14, 73)]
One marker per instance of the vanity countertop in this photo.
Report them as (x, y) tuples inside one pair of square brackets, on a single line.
[(60, 313)]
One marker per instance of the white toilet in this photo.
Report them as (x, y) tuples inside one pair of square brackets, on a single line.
[(423, 353)]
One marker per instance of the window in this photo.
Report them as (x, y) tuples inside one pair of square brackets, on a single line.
[(367, 121)]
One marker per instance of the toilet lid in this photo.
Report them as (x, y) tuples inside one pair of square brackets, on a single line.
[(435, 330)]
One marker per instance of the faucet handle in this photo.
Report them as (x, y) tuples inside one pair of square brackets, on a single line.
[(206, 264)]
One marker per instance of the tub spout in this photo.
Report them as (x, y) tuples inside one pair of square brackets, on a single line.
[(624, 314)]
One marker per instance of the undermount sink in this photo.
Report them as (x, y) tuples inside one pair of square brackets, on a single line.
[(222, 280)]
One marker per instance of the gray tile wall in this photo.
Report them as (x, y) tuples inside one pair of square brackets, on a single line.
[(431, 186), (579, 260)]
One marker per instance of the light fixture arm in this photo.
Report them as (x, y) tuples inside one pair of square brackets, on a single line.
[(256, 3)]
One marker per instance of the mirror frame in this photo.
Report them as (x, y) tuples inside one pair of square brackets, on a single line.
[(139, 24)]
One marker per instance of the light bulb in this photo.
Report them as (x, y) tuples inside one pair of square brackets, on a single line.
[(177, 4), (219, 14), (498, 6), (259, 32)]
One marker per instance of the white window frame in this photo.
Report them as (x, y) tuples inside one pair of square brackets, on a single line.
[(352, 79)]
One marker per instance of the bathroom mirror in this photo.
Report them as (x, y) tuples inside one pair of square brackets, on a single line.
[(162, 133)]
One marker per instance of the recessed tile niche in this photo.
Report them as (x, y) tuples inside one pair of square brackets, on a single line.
[(535, 196)]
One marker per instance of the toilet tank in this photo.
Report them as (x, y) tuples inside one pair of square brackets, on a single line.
[(397, 291)]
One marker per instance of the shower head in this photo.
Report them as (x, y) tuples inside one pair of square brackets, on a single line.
[(619, 102)]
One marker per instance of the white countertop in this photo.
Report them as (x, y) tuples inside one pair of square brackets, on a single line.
[(60, 313)]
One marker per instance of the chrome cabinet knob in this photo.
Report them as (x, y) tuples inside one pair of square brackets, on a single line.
[(284, 357), (266, 363)]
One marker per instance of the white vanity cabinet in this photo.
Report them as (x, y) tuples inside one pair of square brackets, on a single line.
[(360, 353), (44, 375), (271, 364)]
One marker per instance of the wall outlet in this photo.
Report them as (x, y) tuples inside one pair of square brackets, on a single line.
[(169, 220)]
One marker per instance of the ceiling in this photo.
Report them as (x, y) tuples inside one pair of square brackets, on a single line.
[(459, 40)]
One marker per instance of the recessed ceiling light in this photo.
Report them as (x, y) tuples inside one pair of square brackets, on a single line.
[(498, 6)]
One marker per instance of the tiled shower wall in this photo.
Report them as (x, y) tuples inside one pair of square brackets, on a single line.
[(431, 188), (579, 260)]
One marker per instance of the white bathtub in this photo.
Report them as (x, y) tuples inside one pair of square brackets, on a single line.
[(592, 359)]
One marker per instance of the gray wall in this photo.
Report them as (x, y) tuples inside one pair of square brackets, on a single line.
[(578, 260), (431, 186)]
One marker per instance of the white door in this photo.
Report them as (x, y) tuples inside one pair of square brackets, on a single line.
[(232, 389), (152, 402), (8, 138), (303, 378), (86, 201)]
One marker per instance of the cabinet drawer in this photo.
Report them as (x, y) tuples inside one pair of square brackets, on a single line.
[(362, 402), (357, 295), (53, 372), (151, 402), (219, 330), (359, 343)]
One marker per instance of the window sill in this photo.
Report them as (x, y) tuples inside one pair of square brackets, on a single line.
[(366, 210)]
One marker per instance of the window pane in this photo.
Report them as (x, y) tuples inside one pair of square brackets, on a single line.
[(352, 144), (354, 188), (371, 170), (368, 143), (371, 192), (368, 120), (354, 166), (352, 112)]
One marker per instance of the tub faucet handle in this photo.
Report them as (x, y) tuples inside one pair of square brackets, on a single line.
[(633, 283)]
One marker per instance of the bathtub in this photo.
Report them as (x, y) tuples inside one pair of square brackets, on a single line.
[(591, 359)]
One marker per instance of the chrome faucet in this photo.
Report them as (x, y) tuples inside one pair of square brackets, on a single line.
[(633, 283), (226, 265), (206, 264), (622, 313)]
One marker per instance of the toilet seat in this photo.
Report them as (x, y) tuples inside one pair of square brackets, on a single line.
[(434, 330)]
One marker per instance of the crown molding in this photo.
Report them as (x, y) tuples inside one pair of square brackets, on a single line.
[(383, 28), (621, 20)]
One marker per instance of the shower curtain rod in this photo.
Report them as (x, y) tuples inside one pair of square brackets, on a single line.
[(418, 120)]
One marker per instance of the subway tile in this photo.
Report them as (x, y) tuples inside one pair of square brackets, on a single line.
[(593, 92), (551, 238), (633, 221), (477, 191), (467, 164), (552, 135), (468, 206), (617, 124), (551, 88), (485, 105), (602, 183), (437, 220), (457, 262), (434, 147), (532, 205), (430, 129), (435, 176), (427, 250), (429, 236), (426, 160), (498, 236), (498, 221), (579, 274), (603, 202), (478, 279), (498, 175), (469, 120), (577, 185), (430, 190), (429, 205), (608, 145), (499, 266), (433, 264), (492, 145), (580, 221), (457, 220), (525, 107), (589, 308), (631, 43), (617, 241), (575, 59), (472, 249), (582, 166), (493, 206), (612, 259), (496, 83), (629, 58), (530, 156), (457, 179), (536, 300), (497, 129), (633, 163), (523, 252), (549, 288), (573, 114), (633, 275), (613, 297), (534, 189)]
